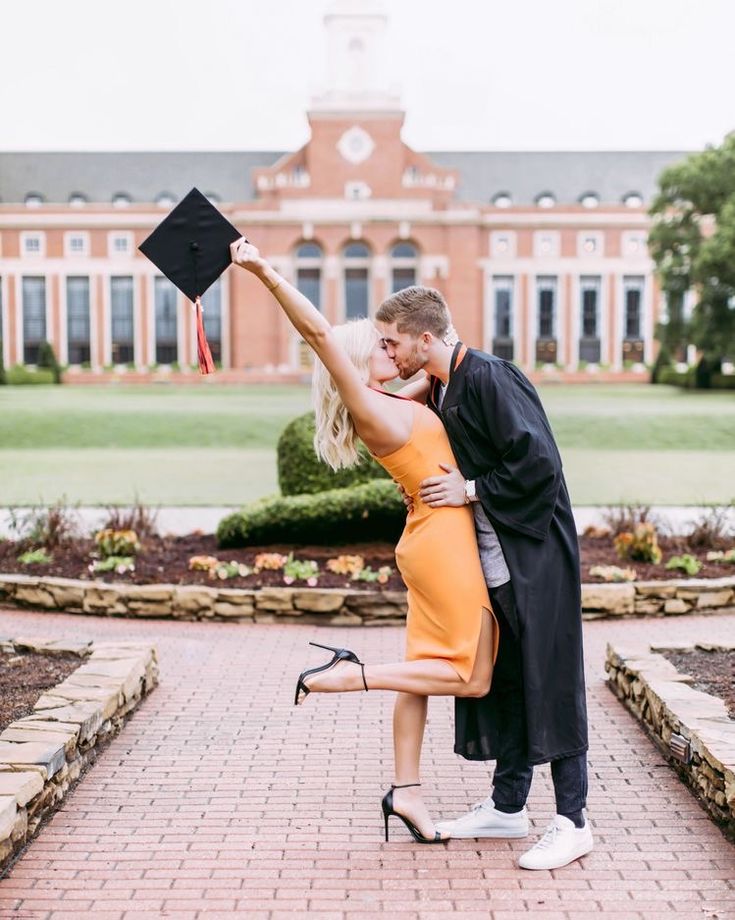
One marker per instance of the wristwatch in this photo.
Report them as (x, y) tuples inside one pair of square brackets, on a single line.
[(469, 491)]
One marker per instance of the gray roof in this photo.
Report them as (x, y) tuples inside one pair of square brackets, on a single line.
[(567, 174), (142, 176), (227, 175)]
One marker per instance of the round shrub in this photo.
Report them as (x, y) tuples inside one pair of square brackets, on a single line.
[(301, 472), (370, 511)]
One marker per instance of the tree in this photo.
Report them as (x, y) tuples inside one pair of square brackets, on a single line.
[(47, 358), (3, 378), (692, 242)]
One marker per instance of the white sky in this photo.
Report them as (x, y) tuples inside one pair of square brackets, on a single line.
[(474, 74)]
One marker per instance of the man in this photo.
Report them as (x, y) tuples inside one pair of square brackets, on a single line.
[(511, 472)]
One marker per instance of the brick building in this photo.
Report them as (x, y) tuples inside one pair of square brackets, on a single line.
[(542, 256)]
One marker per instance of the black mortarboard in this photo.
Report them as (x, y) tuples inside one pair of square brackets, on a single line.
[(191, 246)]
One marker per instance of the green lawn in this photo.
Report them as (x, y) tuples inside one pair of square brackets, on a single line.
[(214, 444)]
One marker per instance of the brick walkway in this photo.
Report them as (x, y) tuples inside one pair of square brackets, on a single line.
[(219, 799)]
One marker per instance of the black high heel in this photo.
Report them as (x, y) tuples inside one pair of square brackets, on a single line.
[(389, 810), (339, 654)]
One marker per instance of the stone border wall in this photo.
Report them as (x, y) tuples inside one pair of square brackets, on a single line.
[(332, 606), (43, 754), (660, 697)]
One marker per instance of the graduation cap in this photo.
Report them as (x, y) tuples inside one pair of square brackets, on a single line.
[(191, 246)]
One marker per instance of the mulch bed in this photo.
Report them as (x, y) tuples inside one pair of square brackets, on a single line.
[(25, 676), (713, 672), (165, 560)]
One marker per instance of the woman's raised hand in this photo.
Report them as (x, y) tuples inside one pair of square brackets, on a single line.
[(247, 256)]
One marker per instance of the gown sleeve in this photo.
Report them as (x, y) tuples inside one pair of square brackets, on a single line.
[(520, 492)]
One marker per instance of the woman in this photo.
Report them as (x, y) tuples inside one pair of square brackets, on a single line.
[(451, 633)]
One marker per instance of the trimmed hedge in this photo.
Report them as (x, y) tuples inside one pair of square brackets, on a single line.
[(688, 379), (301, 472), (20, 376), (371, 511)]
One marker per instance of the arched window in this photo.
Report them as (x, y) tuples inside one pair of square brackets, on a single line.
[(77, 200), (633, 200), (121, 200), (309, 272), (545, 200), (33, 200), (502, 200), (165, 200), (404, 262), (356, 258), (589, 200)]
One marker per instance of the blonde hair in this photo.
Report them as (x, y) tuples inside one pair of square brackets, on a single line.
[(335, 441)]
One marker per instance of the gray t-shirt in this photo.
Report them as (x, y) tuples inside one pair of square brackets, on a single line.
[(494, 566)]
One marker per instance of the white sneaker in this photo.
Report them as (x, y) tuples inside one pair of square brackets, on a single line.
[(561, 844), (484, 820)]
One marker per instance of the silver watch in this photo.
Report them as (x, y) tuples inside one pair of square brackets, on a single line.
[(469, 490)]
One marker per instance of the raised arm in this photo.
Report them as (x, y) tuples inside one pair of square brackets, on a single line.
[(380, 429)]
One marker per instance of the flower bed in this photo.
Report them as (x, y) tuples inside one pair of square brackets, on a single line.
[(43, 754)]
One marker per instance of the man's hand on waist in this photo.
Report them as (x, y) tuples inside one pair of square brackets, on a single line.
[(448, 490)]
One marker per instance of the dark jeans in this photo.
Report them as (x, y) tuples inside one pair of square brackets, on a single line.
[(513, 773)]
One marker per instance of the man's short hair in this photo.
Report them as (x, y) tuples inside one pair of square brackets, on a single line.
[(416, 310)]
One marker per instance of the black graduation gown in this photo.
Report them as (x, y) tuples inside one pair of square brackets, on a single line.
[(502, 439)]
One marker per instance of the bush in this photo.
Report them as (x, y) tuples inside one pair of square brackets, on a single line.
[(47, 359), (662, 363), (370, 511), (723, 381), (301, 472), (23, 376)]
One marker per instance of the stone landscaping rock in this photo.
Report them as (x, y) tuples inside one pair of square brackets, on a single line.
[(325, 601), (661, 697), (8, 813), (274, 599), (676, 605), (49, 757), (23, 786), (615, 599)]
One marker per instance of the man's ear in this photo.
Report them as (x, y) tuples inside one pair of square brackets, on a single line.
[(427, 339)]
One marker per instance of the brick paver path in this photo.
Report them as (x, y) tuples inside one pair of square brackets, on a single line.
[(220, 799)]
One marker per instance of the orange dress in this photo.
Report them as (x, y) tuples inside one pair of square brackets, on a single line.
[(437, 556)]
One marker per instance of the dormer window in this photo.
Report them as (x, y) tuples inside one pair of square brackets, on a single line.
[(33, 200), (545, 200), (502, 200), (121, 200), (633, 200), (165, 200), (77, 200), (589, 200)]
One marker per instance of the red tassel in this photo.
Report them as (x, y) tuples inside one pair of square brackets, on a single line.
[(206, 364)]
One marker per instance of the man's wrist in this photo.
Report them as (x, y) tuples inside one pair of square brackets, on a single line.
[(470, 492)]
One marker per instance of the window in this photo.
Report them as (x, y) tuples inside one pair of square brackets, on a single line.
[(119, 244), (545, 200), (357, 191), (633, 306), (212, 315), (33, 200), (122, 323), (77, 200), (502, 200), (589, 200), (32, 244), (502, 300), (76, 244), (166, 325), (546, 320), (633, 200), (309, 272), (404, 260), (34, 318), (356, 280), (77, 319), (546, 307), (121, 200), (634, 243), (165, 200), (589, 320)]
